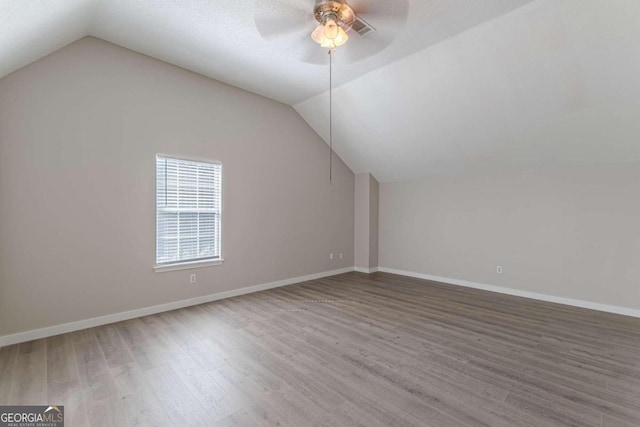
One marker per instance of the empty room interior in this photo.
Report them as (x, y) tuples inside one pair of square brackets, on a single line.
[(320, 213)]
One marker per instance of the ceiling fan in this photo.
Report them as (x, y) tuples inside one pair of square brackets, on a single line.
[(368, 25), (291, 21)]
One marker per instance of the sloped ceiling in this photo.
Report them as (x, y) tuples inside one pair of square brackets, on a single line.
[(551, 84), (219, 39), (467, 85)]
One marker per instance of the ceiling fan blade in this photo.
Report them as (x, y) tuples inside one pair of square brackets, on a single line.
[(390, 15), (313, 54), (273, 27), (300, 47), (280, 18), (359, 48)]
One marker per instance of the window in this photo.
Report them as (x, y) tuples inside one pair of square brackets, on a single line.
[(188, 211)]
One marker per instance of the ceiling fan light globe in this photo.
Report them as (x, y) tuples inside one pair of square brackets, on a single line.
[(331, 29), (328, 43), (341, 38), (318, 34)]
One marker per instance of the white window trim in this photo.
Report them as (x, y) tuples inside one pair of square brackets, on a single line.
[(187, 265), (200, 263)]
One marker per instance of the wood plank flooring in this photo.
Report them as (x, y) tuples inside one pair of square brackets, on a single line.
[(349, 350)]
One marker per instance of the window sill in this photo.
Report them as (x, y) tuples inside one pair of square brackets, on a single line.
[(187, 265)]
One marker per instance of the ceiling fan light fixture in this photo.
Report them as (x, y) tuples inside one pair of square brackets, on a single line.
[(330, 29), (329, 35), (318, 34), (341, 38)]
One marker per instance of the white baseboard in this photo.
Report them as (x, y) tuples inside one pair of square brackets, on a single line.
[(117, 317), (365, 270), (509, 291)]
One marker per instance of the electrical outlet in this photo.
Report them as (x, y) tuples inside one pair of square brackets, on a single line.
[(331, 255), (192, 278), (499, 269), (341, 255)]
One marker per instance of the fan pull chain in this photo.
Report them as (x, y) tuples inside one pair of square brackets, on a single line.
[(330, 119)]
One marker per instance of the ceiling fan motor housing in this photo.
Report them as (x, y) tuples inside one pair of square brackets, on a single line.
[(340, 12)]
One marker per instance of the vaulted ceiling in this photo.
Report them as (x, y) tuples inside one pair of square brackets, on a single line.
[(220, 39), (552, 84), (465, 85)]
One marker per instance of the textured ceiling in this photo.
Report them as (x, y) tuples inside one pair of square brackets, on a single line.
[(466, 86), (219, 38), (552, 84)]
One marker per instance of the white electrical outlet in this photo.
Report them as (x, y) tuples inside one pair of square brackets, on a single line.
[(499, 269), (331, 255), (192, 278), (341, 255)]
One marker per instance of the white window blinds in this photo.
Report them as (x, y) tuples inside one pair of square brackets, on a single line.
[(188, 210)]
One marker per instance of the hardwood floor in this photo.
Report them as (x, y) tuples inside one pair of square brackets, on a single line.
[(352, 349)]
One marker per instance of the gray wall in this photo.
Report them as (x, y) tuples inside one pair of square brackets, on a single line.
[(79, 131), (572, 233), (362, 226), (366, 221), (374, 202)]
